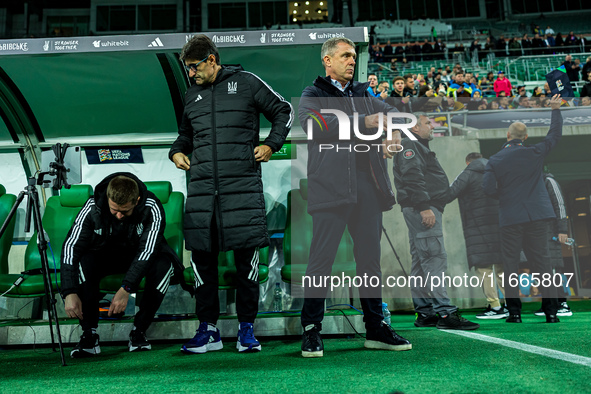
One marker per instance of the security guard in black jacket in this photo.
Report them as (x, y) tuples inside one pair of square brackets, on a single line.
[(422, 193)]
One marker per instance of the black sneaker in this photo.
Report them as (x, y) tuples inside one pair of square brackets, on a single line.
[(490, 313), (455, 321), (564, 310), (138, 341), (425, 320), (552, 319), (88, 345), (312, 345), (540, 312), (513, 319), (385, 338)]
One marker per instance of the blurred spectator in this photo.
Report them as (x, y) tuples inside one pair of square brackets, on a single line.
[(538, 45), (524, 103), (572, 70), (559, 40), (493, 105), (502, 84), (537, 92), (489, 46), (514, 47), (384, 90), (586, 69), (459, 88), (550, 42), (398, 98), (427, 50), (409, 86), (526, 45), (439, 49), (501, 46), (373, 85), (476, 101), (445, 77), (586, 101), (571, 42), (399, 53), (487, 83), (503, 102), (586, 89), (388, 52), (549, 30)]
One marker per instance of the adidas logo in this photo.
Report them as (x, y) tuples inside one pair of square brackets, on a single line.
[(156, 43), (211, 339), (198, 98)]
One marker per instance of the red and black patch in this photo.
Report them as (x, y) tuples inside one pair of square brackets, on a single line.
[(408, 154)]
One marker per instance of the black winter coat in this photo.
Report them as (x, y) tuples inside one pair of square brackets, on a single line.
[(91, 233), (480, 216), (219, 131), (558, 226), (514, 177), (419, 178), (332, 175)]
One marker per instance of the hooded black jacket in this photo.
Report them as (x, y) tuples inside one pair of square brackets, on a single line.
[(419, 178), (219, 131), (92, 229), (480, 216), (332, 173)]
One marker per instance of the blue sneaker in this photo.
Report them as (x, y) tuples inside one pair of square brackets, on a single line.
[(203, 341), (246, 340)]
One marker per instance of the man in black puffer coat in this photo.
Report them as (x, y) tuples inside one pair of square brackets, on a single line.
[(225, 207), (480, 220)]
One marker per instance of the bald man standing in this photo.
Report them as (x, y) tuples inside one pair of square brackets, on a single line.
[(514, 177)]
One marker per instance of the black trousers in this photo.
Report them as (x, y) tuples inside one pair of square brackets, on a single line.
[(95, 266), (532, 238), (205, 268), (364, 221)]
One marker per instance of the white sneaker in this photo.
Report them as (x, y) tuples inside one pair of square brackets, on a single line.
[(564, 310)]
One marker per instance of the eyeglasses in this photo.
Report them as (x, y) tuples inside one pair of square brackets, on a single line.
[(193, 66)]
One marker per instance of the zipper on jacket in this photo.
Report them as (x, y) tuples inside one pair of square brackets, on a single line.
[(217, 207)]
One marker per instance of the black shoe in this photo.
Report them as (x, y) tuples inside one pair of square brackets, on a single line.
[(312, 345), (455, 321), (513, 319), (88, 345), (552, 319), (490, 313), (138, 341), (385, 338), (422, 320), (540, 312)]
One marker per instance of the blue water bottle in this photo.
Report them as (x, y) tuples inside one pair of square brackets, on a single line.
[(386, 312)]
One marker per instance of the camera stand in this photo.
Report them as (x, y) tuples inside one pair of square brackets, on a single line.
[(34, 212)]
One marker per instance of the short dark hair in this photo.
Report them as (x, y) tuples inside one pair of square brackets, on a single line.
[(399, 78), (473, 156), (199, 47), (122, 190), (407, 76)]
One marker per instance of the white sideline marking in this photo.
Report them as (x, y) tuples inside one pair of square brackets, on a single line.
[(571, 358)]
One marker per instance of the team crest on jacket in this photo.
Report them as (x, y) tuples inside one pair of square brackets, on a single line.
[(408, 154), (140, 229), (232, 87)]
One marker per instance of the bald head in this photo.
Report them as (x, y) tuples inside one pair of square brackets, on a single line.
[(517, 131)]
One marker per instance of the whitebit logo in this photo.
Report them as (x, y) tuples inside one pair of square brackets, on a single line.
[(99, 231), (198, 98), (232, 87), (312, 36), (263, 38), (156, 43), (96, 43), (46, 46)]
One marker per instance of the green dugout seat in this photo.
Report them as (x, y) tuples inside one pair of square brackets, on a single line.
[(60, 213), (174, 205), (298, 237), (227, 269), (6, 203)]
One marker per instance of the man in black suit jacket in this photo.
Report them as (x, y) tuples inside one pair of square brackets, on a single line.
[(514, 176)]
